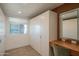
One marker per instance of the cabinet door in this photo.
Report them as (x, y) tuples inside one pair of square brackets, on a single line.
[(44, 20), (35, 34), (2, 32), (2, 37)]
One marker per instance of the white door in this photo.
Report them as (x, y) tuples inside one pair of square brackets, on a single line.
[(35, 34), (2, 36)]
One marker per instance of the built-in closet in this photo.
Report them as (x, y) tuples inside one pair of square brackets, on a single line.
[(2, 32), (43, 28)]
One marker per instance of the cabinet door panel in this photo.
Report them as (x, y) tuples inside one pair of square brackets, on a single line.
[(35, 33), (44, 20), (2, 33)]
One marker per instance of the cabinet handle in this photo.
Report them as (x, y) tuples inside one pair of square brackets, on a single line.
[(0, 41), (40, 37)]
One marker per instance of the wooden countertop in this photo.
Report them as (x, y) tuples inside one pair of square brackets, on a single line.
[(74, 47)]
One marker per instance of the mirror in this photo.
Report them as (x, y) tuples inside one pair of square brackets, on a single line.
[(69, 25)]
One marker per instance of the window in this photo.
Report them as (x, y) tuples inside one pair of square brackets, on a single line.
[(18, 28)]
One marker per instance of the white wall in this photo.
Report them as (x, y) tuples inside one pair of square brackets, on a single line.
[(15, 41), (52, 26)]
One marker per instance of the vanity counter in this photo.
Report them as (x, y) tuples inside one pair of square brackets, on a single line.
[(71, 46)]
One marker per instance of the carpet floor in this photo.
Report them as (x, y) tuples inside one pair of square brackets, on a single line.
[(22, 51)]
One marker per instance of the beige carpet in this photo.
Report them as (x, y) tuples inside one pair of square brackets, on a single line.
[(22, 51)]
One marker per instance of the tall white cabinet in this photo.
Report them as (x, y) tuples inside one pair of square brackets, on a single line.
[(2, 32), (43, 28)]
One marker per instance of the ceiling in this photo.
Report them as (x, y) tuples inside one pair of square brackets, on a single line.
[(28, 10)]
